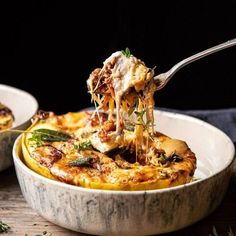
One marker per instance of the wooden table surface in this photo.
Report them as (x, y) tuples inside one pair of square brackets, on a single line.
[(25, 222)]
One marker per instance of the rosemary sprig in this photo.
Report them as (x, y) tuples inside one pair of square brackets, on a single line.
[(81, 161), (126, 52), (4, 227), (140, 119)]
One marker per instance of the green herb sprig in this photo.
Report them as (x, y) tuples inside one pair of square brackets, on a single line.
[(4, 227), (126, 52), (81, 161), (140, 119), (83, 145), (48, 135)]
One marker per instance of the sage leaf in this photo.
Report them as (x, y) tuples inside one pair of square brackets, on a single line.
[(81, 161), (48, 135)]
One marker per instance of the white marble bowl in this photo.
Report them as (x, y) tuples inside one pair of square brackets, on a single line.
[(104, 212), (23, 106)]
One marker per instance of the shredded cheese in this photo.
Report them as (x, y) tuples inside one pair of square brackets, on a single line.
[(126, 85)]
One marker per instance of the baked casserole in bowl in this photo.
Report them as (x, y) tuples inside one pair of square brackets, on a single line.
[(139, 212)]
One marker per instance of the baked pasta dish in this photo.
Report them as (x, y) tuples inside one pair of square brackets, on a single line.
[(6, 117), (116, 145)]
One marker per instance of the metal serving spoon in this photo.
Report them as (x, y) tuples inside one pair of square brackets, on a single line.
[(162, 79)]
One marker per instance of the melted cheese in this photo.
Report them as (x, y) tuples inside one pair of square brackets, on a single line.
[(128, 80)]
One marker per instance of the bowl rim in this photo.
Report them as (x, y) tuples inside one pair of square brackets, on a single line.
[(18, 161), (24, 93)]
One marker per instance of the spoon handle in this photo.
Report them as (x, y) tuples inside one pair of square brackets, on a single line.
[(197, 56)]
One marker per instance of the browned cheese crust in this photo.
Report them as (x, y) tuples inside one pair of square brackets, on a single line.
[(91, 158)]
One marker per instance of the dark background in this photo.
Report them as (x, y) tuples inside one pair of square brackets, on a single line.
[(50, 48)]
